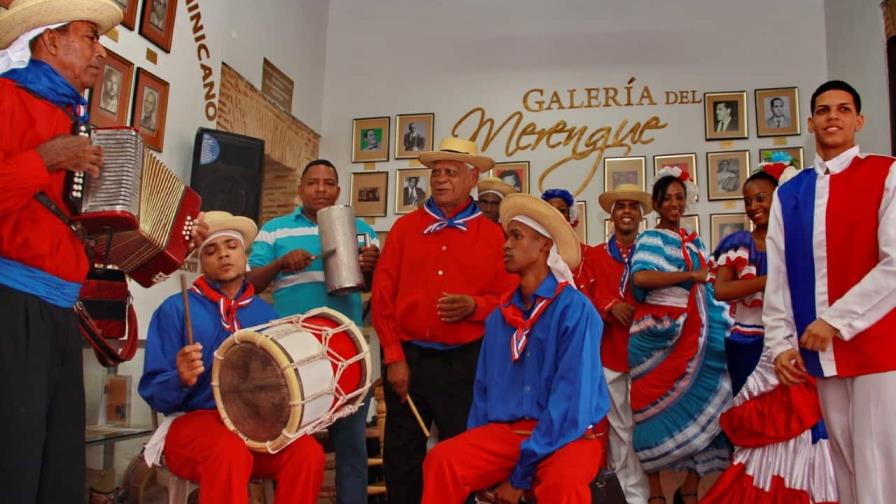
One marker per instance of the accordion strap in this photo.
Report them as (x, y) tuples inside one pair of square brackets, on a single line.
[(107, 354)]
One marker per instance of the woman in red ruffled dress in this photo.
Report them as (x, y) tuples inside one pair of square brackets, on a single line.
[(781, 448)]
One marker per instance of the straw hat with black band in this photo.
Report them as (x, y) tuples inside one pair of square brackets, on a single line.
[(549, 222), (494, 186), (625, 192), (458, 149), (26, 15)]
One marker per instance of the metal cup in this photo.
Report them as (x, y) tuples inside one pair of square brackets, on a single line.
[(339, 248)]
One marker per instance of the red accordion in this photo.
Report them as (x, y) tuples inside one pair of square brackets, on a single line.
[(138, 213)]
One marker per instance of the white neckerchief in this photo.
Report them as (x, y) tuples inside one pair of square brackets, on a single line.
[(556, 263), (18, 54)]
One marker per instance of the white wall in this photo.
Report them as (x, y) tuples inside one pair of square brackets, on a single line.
[(857, 53), (406, 56)]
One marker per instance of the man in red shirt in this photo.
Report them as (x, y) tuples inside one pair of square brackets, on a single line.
[(440, 274), (49, 54), (614, 301)]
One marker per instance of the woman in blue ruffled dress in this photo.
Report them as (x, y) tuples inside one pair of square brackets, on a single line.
[(676, 351)]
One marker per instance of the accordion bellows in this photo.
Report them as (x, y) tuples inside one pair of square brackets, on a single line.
[(141, 205)]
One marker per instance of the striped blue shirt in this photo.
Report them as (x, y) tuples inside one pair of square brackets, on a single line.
[(303, 290)]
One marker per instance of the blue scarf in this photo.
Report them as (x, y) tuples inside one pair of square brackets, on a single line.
[(615, 253), (459, 221), (43, 80)]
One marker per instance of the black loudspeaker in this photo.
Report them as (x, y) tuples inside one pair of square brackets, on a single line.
[(227, 171)]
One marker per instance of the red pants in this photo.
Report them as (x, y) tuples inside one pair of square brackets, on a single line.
[(483, 457), (200, 448)]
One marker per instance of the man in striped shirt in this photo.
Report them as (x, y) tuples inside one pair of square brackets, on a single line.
[(287, 253)]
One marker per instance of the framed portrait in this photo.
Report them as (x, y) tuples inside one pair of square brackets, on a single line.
[(129, 9), (726, 172), (581, 228), (370, 139), (413, 134), (722, 225), (411, 189), (624, 170), (514, 174), (687, 163), (777, 112), (157, 22), (725, 115), (111, 93), (608, 228), (796, 153), (150, 108), (369, 192)]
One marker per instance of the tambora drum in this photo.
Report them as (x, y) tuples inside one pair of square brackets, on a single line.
[(293, 376)]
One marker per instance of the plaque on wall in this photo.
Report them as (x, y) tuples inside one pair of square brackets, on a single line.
[(276, 86)]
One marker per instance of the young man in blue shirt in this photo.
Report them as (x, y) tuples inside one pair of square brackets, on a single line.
[(540, 400), (177, 380), (287, 253)]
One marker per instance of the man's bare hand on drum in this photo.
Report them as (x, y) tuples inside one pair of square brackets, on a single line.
[(297, 260), (71, 152), (369, 256), (398, 374), (189, 364)]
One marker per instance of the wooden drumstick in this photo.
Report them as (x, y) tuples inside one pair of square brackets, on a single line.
[(185, 293), (417, 416)]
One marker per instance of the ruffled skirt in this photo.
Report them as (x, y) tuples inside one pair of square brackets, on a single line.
[(680, 383), (782, 452)]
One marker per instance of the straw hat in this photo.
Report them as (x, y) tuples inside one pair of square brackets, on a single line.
[(562, 234), (26, 15), (225, 221), (496, 185), (457, 149), (625, 192)]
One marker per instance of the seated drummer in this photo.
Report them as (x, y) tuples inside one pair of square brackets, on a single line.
[(540, 400), (176, 381)]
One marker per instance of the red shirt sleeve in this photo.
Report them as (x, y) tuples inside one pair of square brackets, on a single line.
[(384, 295)]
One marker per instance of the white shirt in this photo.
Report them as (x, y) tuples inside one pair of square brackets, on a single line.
[(864, 304)]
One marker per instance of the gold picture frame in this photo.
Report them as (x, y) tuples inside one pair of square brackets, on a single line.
[(411, 188), (795, 152), (726, 172), (370, 193), (725, 115), (723, 224), (687, 163), (370, 139), (625, 170), (777, 112), (513, 173), (413, 134)]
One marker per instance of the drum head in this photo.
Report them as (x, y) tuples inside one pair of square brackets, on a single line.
[(254, 392)]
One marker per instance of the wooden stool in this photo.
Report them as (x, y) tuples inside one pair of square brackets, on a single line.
[(261, 491)]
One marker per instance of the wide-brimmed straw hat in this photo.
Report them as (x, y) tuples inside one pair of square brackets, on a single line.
[(562, 233), (457, 149), (625, 192), (225, 221), (492, 184), (26, 15)]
